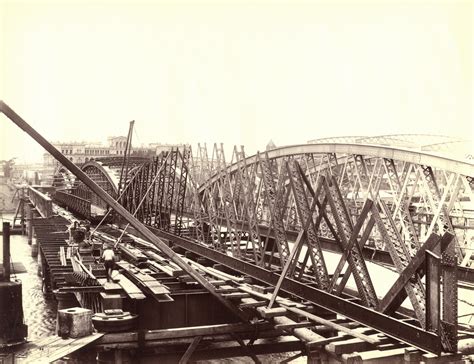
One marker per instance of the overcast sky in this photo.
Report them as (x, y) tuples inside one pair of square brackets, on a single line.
[(234, 72)]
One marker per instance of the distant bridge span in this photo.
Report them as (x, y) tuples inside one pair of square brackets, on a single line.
[(367, 150)]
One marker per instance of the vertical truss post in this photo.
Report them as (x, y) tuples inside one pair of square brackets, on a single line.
[(154, 200), (142, 212), (332, 163), (275, 212), (210, 214), (227, 201), (182, 184), (434, 197), (138, 190), (401, 206), (151, 193), (433, 291), (238, 189), (161, 190), (196, 203), (303, 209), (449, 323), (171, 178), (247, 187)]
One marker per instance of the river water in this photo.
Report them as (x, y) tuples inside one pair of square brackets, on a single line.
[(39, 311)]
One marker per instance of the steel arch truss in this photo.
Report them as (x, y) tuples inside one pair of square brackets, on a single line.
[(156, 192), (105, 173), (63, 179), (408, 204)]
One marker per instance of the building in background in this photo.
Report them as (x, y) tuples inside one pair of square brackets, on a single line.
[(82, 152)]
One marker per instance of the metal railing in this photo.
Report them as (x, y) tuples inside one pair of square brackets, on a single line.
[(76, 204), (42, 203)]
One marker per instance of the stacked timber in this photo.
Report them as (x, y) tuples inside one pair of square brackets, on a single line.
[(145, 281), (132, 254)]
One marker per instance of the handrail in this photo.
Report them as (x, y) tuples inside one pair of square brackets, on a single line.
[(42, 202)]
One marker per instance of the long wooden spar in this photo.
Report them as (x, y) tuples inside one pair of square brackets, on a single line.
[(142, 229)]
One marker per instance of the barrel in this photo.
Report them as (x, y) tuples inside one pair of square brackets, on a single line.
[(12, 328)]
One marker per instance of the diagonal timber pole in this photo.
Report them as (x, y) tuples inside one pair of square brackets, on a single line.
[(142, 229)]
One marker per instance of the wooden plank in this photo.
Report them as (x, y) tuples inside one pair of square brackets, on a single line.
[(294, 326), (236, 295), (159, 291), (333, 325), (130, 289), (208, 270), (351, 345), (167, 265), (253, 304), (267, 296), (165, 269), (112, 286), (57, 348), (183, 332), (271, 312), (47, 340)]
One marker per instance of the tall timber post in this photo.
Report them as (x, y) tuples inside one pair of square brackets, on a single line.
[(12, 329)]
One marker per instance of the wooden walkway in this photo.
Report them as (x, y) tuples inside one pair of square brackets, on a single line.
[(53, 348)]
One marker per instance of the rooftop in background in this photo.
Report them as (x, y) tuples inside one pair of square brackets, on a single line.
[(82, 152), (439, 144)]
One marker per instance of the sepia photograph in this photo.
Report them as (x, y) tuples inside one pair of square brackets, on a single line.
[(236, 181)]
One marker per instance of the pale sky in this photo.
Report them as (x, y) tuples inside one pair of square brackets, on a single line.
[(234, 72)]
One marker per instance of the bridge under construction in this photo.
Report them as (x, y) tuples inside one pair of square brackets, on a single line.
[(337, 251)]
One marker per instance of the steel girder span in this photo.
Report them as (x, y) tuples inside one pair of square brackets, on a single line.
[(410, 204), (105, 172), (404, 202)]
